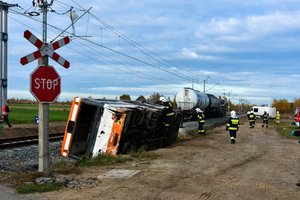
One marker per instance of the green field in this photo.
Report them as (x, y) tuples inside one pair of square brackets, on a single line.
[(25, 113)]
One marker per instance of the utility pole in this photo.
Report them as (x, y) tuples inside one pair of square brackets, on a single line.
[(193, 81), (3, 48), (204, 82), (228, 103), (44, 107)]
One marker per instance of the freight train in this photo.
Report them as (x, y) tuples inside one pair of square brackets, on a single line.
[(101, 126), (189, 99)]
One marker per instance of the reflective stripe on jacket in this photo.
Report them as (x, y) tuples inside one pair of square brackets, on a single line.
[(201, 118), (170, 114)]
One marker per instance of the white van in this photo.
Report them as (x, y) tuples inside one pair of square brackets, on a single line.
[(259, 111)]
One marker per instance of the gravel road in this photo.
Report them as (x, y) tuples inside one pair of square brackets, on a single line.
[(261, 165)]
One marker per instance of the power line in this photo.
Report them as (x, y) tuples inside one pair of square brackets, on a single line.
[(136, 45), (92, 51), (116, 51)]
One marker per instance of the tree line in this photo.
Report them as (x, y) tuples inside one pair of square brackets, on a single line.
[(284, 106)]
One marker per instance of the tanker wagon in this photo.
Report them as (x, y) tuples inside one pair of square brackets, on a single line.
[(101, 126), (189, 99)]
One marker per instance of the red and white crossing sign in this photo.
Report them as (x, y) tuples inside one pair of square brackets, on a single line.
[(45, 49), (45, 84)]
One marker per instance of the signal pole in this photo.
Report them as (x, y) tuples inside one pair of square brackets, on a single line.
[(3, 48), (44, 107)]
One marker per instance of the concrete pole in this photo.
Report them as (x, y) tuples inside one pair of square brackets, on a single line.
[(3, 50), (4, 79), (44, 110)]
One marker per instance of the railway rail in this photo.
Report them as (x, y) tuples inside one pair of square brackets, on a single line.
[(26, 140)]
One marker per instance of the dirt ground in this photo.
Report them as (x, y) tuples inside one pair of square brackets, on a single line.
[(261, 165)]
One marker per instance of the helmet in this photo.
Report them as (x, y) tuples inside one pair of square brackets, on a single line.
[(198, 110), (163, 99), (277, 111), (232, 113)]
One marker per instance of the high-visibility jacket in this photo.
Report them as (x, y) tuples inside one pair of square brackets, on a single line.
[(277, 116), (201, 117), (168, 105), (169, 113), (233, 124), (251, 117)]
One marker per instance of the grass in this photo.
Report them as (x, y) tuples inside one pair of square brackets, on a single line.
[(64, 167), (25, 113), (24, 182), (38, 188), (285, 128)]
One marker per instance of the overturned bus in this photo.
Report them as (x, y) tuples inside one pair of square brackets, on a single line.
[(116, 127)]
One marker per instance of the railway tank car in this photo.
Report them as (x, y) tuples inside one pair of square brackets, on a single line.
[(189, 99)]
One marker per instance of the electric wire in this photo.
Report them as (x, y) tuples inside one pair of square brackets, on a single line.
[(126, 55), (135, 44), (92, 50), (118, 52)]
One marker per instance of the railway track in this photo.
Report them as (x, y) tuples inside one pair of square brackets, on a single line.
[(27, 140)]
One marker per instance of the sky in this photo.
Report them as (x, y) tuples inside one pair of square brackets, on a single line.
[(246, 50)]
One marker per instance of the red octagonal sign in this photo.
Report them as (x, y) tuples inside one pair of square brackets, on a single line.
[(45, 84)]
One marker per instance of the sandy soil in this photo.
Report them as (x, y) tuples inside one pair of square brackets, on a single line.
[(261, 165)]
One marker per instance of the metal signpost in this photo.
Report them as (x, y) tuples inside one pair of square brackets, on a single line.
[(44, 82)]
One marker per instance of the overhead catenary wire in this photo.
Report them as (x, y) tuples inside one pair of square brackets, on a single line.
[(121, 53), (93, 50), (137, 46)]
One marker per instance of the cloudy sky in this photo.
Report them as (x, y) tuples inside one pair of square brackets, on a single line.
[(247, 50)]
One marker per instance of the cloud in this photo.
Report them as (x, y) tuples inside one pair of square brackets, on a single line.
[(187, 53), (249, 27)]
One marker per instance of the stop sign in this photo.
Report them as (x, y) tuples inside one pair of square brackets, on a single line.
[(45, 84)]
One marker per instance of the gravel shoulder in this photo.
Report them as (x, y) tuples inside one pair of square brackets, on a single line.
[(261, 165)]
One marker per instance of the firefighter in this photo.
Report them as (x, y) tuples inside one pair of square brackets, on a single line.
[(251, 118), (233, 126), (168, 112), (277, 117), (265, 119), (201, 121)]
